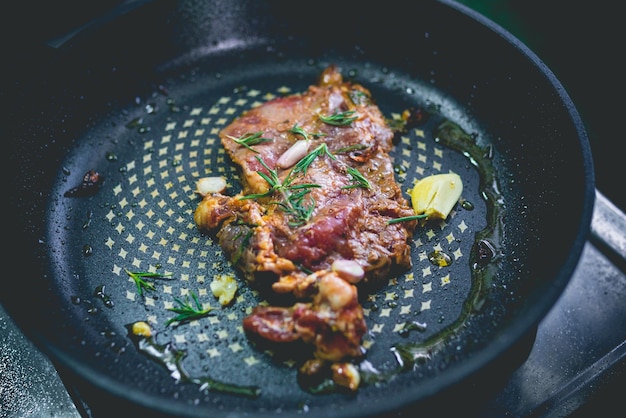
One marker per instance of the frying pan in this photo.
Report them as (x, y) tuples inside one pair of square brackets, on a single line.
[(139, 100)]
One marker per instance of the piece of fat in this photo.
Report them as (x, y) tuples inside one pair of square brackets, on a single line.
[(436, 195)]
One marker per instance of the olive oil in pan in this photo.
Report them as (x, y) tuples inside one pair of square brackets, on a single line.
[(172, 359), (485, 252)]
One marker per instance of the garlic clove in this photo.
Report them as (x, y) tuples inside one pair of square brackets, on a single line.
[(293, 154), (436, 195), (349, 270), (208, 185)]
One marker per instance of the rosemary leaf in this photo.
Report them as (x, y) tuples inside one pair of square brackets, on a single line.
[(223, 387), (186, 312), (249, 139), (358, 180), (339, 118), (299, 131), (406, 218), (303, 165), (139, 276)]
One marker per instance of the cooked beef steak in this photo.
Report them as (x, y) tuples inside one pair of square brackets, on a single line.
[(318, 187)]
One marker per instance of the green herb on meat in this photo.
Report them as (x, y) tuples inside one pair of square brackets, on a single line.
[(293, 202), (358, 180), (299, 131), (245, 241), (339, 118), (304, 163), (406, 218), (249, 139), (350, 148)]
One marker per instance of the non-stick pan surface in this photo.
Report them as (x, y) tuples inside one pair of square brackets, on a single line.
[(141, 100)]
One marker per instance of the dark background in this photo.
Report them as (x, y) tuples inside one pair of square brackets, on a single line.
[(582, 43)]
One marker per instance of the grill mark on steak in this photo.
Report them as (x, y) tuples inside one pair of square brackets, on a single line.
[(349, 223)]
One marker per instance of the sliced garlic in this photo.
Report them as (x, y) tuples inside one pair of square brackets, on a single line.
[(294, 154), (207, 185), (349, 270), (436, 195)]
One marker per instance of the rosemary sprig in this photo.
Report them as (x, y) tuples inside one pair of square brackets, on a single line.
[(139, 276), (272, 179), (186, 312), (358, 180), (406, 218), (339, 118), (350, 148), (303, 165), (294, 202), (299, 210), (249, 139), (218, 386), (299, 131)]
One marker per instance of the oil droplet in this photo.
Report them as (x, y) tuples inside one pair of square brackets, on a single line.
[(399, 169), (467, 205), (99, 293), (111, 156), (87, 250), (485, 252), (439, 258), (88, 220)]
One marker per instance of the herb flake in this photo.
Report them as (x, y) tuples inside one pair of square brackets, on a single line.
[(187, 312), (140, 276)]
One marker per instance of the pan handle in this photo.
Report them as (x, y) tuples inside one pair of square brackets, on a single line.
[(606, 226)]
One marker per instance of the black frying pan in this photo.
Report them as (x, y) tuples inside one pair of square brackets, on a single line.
[(139, 100)]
